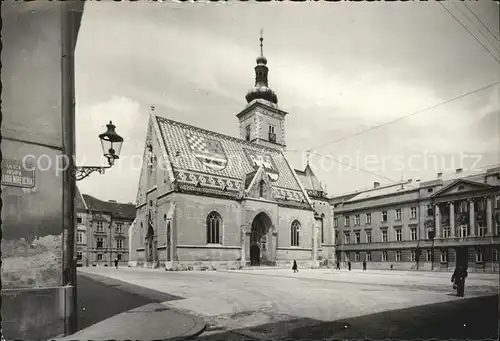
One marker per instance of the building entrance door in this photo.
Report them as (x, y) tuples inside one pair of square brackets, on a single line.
[(462, 256), (254, 255)]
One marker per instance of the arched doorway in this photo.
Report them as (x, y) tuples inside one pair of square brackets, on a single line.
[(260, 252)]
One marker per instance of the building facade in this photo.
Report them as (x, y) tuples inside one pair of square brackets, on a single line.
[(207, 200), (102, 231), (431, 225)]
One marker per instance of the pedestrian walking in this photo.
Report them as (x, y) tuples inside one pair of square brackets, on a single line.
[(116, 263), (338, 265), (458, 280), (294, 266), (364, 265), (349, 265)]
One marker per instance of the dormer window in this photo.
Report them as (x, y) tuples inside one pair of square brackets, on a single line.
[(272, 134), (247, 133)]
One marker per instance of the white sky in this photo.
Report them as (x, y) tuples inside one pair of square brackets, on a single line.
[(337, 68)]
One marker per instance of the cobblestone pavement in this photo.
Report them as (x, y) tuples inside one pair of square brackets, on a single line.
[(229, 300)]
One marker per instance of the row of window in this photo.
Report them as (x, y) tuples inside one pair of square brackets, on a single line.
[(428, 254), (100, 243), (214, 230), (384, 236), (368, 217), (271, 133), (100, 256)]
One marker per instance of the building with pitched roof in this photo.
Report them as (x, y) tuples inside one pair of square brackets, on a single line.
[(102, 230), (431, 225), (208, 200)]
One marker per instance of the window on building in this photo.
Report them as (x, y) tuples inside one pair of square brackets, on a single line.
[(100, 257), (479, 255), (384, 256), (463, 207), (346, 238), (497, 201), (119, 228), (272, 133), (79, 220), (356, 257), (413, 256), (357, 236), (399, 235), (79, 237), (356, 219), (398, 214), (384, 216), (79, 255), (99, 242), (322, 230), (481, 231), (100, 226), (494, 255), (430, 210), (428, 255), (335, 222), (119, 243), (368, 237), (413, 233), (368, 218), (398, 256), (347, 256), (346, 221), (247, 132), (444, 256), (498, 228), (446, 232), (119, 256), (384, 236), (295, 237), (214, 226), (413, 213), (261, 188), (430, 233), (464, 231), (368, 256)]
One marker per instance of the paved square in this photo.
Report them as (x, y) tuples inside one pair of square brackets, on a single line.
[(230, 300)]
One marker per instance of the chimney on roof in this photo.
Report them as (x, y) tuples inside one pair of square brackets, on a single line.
[(417, 180), (376, 184), (112, 200), (439, 174), (459, 170), (410, 180)]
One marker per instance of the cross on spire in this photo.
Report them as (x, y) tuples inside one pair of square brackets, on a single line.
[(261, 40)]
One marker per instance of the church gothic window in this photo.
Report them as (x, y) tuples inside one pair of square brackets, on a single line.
[(247, 133), (214, 225), (295, 237), (261, 188)]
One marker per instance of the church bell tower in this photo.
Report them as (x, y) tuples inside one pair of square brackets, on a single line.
[(262, 121)]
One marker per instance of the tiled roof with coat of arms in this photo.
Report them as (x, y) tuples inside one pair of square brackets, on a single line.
[(215, 158)]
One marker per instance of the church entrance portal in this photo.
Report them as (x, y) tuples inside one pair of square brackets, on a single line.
[(260, 250)]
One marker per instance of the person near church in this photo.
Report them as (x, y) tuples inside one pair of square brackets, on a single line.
[(349, 265), (364, 265), (458, 280), (338, 265), (116, 263), (294, 266)]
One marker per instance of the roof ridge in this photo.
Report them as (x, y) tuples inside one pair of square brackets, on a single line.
[(236, 139)]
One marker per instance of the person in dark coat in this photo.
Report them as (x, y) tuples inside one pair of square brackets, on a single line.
[(116, 263), (364, 265), (294, 267), (338, 265), (349, 265), (458, 279)]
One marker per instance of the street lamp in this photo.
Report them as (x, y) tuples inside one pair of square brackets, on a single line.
[(111, 145)]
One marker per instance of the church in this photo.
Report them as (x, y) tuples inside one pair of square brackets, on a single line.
[(209, 201)]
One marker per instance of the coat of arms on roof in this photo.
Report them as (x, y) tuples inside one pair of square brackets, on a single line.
[(208, 151), (258, 159)]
